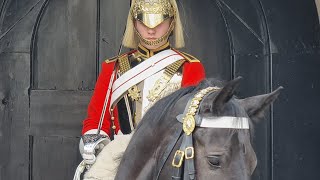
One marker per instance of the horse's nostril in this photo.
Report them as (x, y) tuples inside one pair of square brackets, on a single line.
[(244, 149)]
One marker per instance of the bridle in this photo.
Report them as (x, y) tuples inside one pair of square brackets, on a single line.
[(191, 119)]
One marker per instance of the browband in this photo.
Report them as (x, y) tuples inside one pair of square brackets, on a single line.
[(225, 122), (192, 109), (229, 122)]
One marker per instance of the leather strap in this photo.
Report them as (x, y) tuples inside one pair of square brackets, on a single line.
[(178, 160), (185, 156), (176, 136), (189, 169)]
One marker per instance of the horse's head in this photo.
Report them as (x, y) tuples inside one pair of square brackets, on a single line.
[(218, 147), (222, 146)]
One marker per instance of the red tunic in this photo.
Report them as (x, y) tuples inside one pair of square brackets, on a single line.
[(192, 74)]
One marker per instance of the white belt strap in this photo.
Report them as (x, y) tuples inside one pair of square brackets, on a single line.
[(142, 71)]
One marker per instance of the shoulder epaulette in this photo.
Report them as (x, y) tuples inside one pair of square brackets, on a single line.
[(111, 59), (115, 58), (188, 57)]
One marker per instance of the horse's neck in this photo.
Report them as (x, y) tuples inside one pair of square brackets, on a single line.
[(146, 156)]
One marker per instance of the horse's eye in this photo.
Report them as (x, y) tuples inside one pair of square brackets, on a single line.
[(214, 161)]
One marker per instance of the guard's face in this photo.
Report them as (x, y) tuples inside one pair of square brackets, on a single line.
[(152, 34)]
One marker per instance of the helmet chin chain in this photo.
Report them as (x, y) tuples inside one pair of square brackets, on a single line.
[(158, 41)]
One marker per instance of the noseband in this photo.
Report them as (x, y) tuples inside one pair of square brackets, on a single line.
[(191, 119)]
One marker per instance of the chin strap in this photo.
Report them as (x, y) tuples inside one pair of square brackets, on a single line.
[(156, 42)]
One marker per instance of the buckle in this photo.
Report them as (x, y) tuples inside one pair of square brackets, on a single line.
[(189, 152), (178, 158)]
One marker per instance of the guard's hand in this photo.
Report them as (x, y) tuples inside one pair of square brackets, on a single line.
[(91, 145), (89, 158)]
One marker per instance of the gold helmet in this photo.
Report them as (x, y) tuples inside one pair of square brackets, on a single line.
[(152, 13)]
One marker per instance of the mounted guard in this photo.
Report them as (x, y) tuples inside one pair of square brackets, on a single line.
[(130, 83)]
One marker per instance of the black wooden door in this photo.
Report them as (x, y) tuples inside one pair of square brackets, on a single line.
[(63, 71), (51, 52)]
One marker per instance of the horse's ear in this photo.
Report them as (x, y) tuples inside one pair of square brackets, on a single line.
[(225, 95), (256, 105)]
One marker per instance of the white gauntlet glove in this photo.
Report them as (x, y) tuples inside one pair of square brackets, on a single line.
[(91, 145)]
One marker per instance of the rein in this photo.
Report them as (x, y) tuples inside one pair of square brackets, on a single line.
[(191, 119)]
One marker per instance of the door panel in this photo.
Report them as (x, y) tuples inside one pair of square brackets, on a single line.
[(63, 75), (14, 113), (64, 46), (113, 19), (54, 157), (207, 38), (57, 113)]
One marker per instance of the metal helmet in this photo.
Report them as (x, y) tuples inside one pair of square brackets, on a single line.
[(152, 13)]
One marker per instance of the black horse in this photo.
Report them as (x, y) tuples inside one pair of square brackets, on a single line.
[(216, 153)]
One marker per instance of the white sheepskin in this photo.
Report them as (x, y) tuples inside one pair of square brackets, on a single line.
[(107, 162)]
